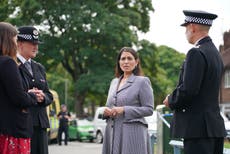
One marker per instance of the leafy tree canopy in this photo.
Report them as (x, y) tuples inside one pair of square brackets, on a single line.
[(84, 35), (81, 41)]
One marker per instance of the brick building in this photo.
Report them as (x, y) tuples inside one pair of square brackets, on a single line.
[(225, 85)]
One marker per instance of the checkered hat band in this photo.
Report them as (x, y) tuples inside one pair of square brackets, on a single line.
[(25, 36), (198, 20)]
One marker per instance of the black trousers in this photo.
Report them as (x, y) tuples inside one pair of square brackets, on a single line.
[(39, 141), (204, 146), (63, 129)]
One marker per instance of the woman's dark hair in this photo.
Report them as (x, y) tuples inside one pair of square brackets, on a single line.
[(7, 45), (137, 70)]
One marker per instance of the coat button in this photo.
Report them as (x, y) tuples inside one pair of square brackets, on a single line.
[(183, 110)]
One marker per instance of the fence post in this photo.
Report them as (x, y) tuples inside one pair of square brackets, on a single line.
[(177, 146)]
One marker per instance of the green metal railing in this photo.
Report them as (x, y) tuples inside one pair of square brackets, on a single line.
[(176, 144)]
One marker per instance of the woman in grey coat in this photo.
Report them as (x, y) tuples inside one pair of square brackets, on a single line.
[(130, 99)]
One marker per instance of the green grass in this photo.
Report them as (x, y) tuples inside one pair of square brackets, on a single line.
[(227, 144)]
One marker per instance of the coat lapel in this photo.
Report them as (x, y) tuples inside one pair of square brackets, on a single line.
[(128, 83), (34, 67), (23, 68)]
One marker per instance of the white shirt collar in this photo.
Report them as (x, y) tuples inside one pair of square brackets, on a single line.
[(197, 42), (22, 59)]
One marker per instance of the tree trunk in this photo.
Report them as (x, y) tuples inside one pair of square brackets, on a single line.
[(93, 108), (79, 105)]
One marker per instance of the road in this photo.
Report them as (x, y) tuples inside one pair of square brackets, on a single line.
[(75, 147)]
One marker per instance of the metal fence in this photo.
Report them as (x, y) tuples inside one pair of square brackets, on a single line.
[(177, 145)]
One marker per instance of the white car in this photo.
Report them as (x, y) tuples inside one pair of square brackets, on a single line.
[(152, 124), (227, 125), (99, 125)]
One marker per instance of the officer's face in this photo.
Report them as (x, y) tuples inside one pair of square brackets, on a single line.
[(27, 49), (64, 108), (189, 33)]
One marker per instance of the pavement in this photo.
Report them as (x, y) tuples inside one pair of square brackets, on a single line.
[(76, 148)]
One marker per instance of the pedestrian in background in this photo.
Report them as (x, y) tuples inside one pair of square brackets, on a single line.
[(130, 99), (195, 101), (34, 77), (63, 117), (15, 128)]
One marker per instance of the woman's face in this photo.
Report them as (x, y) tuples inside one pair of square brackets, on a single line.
[(127, 62)]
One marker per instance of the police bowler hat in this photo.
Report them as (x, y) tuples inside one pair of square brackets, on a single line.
[(198, 17), (28, 33)]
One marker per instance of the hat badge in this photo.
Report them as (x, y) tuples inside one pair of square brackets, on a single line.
[(35, 32)]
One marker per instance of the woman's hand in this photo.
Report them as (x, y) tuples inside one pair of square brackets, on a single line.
[(117, 111), (113, 112), (107, 112)]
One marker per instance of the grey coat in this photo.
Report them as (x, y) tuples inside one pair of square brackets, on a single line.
[(128, 133)]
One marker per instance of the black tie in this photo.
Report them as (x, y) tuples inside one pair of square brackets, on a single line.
[(28, 66)]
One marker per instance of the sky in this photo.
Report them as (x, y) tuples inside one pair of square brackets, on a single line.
[(165, 22)]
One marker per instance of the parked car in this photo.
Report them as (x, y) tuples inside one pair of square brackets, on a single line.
[(152, 124), (81, 129), (227, 125), (99, 125)]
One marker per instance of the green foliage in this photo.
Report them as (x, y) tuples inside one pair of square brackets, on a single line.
[(162, 66), (169, 62), (59, 80), (81, 41), (84, 36)]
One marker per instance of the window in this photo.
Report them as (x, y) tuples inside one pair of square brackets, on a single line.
[(227, 79)]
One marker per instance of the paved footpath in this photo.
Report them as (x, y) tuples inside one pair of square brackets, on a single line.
[(76, 148)]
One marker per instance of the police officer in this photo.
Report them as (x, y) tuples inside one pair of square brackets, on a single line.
[(34, 77), (63, 117), (195, 103)]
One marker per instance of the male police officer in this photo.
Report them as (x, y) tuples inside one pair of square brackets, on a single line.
[(196, 116), (34, 76), (63, 117)]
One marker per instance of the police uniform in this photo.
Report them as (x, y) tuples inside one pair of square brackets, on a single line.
[(63, 125), (35, 76), (195, 101)]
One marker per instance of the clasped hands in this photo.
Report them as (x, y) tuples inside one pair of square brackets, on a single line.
[(39, 94), (114, 111)]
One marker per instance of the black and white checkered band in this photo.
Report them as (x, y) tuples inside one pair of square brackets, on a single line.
[(26, 36), (203, 21)]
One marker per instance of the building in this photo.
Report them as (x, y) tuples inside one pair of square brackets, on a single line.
[(225, 85)]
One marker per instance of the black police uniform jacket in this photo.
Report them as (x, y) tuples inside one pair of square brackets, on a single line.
[(38, 80), (195, 100)]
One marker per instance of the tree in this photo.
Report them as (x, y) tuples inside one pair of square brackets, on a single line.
[(161, 65), (169, 60), (84, 36), (81, 41), (148, 59)]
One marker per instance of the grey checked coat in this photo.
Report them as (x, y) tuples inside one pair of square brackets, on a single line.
[(127, 133)]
